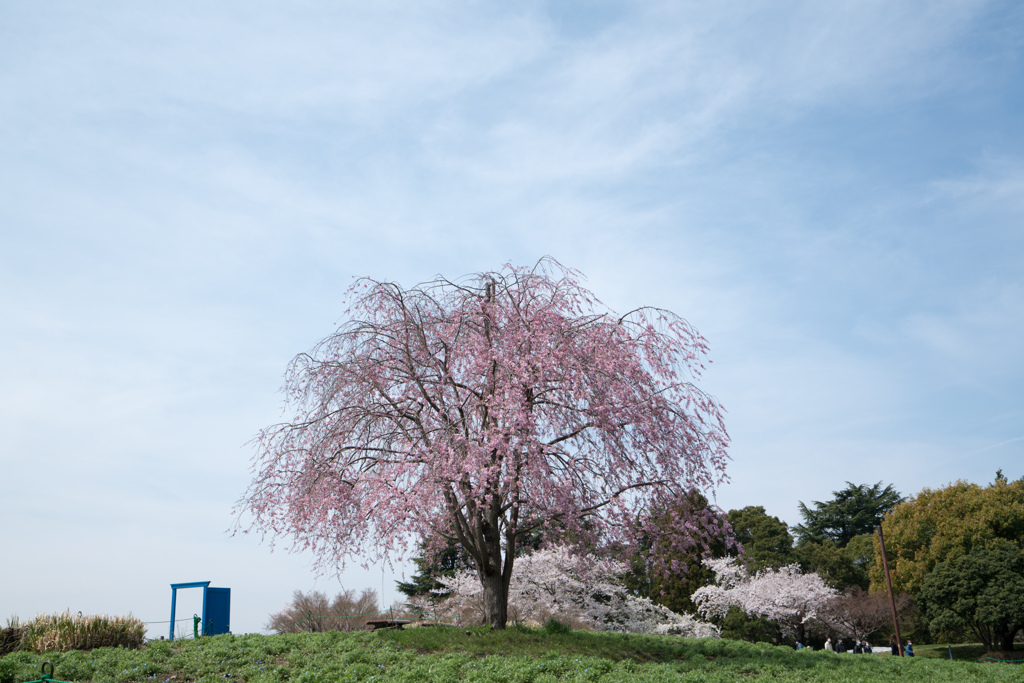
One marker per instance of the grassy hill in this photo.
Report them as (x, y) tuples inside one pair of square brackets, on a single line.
[(517, 655)]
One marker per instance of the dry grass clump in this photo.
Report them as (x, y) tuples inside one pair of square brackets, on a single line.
[(10, 636), (67, 631)]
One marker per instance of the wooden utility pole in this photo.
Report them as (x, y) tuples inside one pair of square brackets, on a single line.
[(892, 600)]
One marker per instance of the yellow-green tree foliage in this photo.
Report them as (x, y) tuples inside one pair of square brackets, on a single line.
[(943, 524)]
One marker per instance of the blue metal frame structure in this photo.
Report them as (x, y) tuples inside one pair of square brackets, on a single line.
[(174, 598), (216, 607)]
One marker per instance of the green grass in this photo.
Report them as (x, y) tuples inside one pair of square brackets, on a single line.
[(516, 655), (967, 652)]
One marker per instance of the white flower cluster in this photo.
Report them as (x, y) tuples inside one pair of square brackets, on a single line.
[(554, 582), (633, 614), (784, 595)]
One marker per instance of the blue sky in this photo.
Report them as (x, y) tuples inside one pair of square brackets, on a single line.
[(832, 193)]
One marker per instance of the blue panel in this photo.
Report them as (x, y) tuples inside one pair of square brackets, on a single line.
[(217, 611)]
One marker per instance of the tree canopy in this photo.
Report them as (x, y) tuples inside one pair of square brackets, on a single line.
[(481, 410), (982, 590), (839, 567), (854, 511), (313, 611), (766, 541), (942, 524)]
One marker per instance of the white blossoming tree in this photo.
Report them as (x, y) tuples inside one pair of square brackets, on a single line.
[(785, 595), (555, 582)]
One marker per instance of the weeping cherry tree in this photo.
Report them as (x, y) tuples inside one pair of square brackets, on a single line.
[(478, 411)]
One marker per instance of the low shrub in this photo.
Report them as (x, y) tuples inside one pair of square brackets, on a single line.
[(65, 632), (8, 669), (514, 655), (553, 625)]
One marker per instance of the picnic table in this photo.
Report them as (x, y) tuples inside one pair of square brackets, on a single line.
[(375, 624)]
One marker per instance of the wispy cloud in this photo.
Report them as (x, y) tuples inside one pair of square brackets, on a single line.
[(995, 445), (830, 192)]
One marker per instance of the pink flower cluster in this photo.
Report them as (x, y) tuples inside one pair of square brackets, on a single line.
[(482, 410)]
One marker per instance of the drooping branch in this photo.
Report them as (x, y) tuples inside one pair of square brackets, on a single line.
[(441, 409)]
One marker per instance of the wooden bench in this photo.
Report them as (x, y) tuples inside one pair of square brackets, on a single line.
[(375, 624)]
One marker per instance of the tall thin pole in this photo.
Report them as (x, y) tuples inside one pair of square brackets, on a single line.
[(888, 582)]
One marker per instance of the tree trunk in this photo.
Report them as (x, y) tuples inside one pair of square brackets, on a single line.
[(987, 635), (495, 599), (1007, 636)]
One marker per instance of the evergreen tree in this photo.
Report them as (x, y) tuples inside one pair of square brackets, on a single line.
[(428, 569), (856, 510), (766, 540)]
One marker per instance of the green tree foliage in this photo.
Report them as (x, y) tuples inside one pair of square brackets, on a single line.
[(430, 568), (738, 625), (854, 511), (766, 540), (839, 567), (982, 590), (861, 551), (943, 524)]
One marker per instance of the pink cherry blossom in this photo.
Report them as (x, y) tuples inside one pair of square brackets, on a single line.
[(503, 404)]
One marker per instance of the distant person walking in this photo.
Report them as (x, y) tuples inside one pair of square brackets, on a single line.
[(894, 645), (910, 649), (828, 645)]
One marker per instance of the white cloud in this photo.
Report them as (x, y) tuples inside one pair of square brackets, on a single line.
[(310, 60), (191, 187)]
